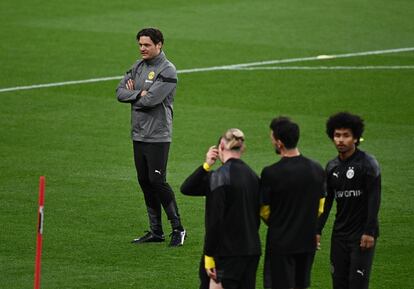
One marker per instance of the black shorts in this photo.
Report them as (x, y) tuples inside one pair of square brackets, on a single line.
[(291, 270), (237, 272)]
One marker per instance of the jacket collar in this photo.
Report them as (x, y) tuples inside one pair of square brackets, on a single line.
[(157, 59)]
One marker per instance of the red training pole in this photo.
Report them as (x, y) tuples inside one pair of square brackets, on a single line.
[(39, 233)]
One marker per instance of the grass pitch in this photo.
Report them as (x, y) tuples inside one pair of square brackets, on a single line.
[(78, 135)]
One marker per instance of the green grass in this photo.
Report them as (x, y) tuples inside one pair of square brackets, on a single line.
[(78, 136)]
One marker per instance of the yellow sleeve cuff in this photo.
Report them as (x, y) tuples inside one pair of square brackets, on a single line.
[(206, 167), (321, 205), (265, 212), (209, 262)]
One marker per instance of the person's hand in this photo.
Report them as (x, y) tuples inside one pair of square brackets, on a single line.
[(212, 273), (143, 93), (211, 155), (318, 242), (214, 284), (130, 84), (367, 242)]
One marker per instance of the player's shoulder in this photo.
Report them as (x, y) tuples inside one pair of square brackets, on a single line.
[(332, 164), (370, 163), (220, 177), (313, 163), (239, 164), (270, 169)]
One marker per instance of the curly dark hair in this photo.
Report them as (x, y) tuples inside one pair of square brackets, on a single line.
[(345, 120), (285, 130), (153, 33)]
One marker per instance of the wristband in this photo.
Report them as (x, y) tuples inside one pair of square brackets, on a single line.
[(209, 262), (206, 167)]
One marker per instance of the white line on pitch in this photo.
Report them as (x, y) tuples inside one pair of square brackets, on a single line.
[(290, 60), (214, 68), (326, 68), (59, 83)]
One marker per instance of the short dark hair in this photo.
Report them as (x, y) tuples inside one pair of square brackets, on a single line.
[(348, 121), (153, 33), (285, 130)]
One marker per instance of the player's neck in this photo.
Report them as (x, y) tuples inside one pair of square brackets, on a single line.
[(347, 154), (290, 153), (230, 155)]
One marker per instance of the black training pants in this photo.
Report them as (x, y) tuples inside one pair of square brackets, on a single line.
[(151, 165), (350, 265)]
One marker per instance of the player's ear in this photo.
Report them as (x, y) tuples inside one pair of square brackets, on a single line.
[(222, 146), (242, 149), (272, 138), (278, 143)]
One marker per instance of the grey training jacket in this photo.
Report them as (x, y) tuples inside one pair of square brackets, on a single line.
[(152, 114)]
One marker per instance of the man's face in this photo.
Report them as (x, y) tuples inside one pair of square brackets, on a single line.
[(147, 48), (344, 140)]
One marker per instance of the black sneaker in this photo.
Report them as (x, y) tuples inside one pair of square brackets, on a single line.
[(149, 237), (177, 238)]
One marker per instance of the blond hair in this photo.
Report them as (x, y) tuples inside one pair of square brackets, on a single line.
[(233, 139)]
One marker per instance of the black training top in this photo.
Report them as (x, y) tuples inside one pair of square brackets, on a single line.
[(293, 188), (232, 216), (355, 184)]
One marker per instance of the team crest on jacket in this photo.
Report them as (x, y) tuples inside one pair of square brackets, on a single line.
[(151, 75), (350, 173)]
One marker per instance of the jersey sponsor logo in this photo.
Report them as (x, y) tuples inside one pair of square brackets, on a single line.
[(347, 194), (350, 173), (336, 174)]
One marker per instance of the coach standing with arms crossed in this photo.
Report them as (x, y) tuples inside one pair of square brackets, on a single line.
[(149, 87)]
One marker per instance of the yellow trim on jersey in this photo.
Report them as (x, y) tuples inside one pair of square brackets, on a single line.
[(321, 205), (209, 262), (265, 212)]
